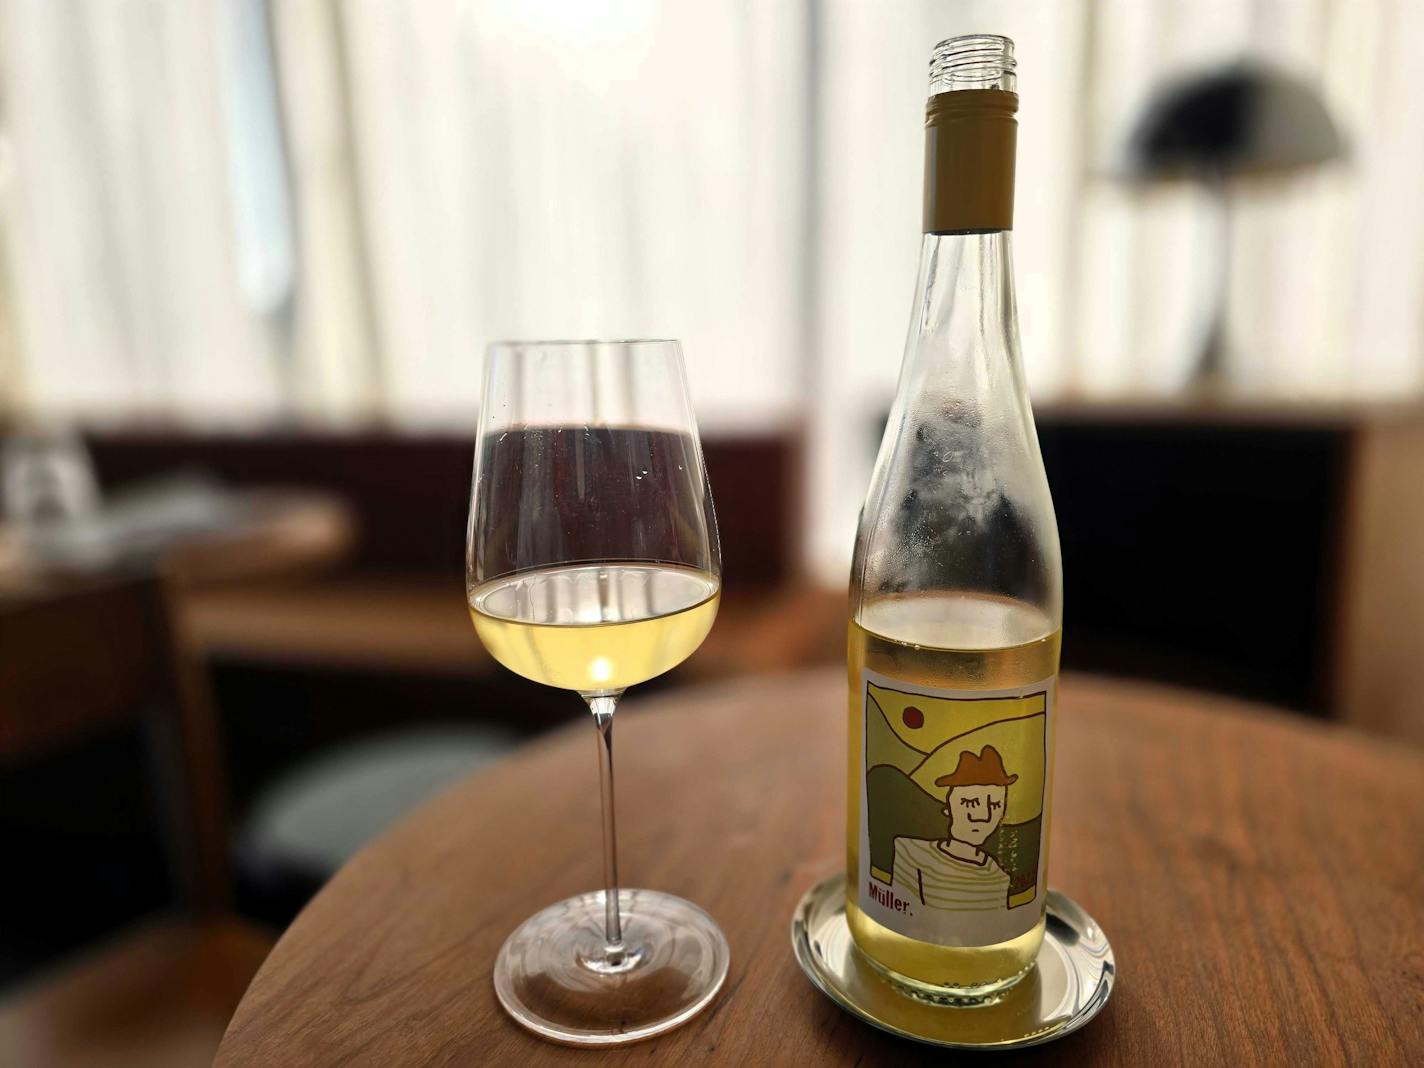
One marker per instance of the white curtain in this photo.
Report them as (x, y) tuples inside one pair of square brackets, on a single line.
[(552, 168), (199, 226), (460, 171), (120, 234)]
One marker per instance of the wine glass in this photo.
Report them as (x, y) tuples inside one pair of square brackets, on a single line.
[(592, 564)]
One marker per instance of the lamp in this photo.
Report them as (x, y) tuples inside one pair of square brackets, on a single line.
[(1241, 122)]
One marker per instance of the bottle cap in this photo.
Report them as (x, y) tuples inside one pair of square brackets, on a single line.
[(970, 141)]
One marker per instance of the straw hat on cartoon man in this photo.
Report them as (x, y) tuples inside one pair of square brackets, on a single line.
[(954, 872)]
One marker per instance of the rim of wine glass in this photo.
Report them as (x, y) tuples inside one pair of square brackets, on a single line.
[(551, 343)]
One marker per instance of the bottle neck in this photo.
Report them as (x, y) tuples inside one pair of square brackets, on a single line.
[(958, 500), (964, 328), (964, 305)]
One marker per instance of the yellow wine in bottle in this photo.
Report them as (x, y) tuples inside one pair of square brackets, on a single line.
[(956, 591), (963, 643)]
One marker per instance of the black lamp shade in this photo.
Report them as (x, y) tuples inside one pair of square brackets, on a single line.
[(1245, 119)]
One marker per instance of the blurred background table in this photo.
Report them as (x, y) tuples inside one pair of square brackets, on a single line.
[(1258, 876)]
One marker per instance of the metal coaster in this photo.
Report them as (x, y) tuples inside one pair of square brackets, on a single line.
[(1070, 982)]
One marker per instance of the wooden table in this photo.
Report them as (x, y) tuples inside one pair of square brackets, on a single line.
[(1261, 878)]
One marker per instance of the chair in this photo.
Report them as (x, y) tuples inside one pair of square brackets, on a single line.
[(78, 658)]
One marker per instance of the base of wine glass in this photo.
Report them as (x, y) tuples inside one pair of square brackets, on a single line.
[(554, 976)]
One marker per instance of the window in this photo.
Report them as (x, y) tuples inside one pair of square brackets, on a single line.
[(211, 215)]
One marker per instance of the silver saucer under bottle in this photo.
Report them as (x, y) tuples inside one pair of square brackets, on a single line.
[(1068, 985)]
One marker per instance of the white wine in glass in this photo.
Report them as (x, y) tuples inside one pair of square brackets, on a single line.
[(591, 627), (593, 565)]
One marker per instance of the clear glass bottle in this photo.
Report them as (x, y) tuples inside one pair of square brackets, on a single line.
[(956, 590)]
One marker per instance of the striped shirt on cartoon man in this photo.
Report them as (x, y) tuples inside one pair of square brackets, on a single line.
[(954, 873)]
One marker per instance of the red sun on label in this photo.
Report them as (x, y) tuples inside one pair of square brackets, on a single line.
[(913, 717)]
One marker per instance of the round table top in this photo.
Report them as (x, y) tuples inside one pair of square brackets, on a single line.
[(1259, 876)]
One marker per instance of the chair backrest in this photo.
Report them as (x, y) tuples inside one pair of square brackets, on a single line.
[(78, 657)]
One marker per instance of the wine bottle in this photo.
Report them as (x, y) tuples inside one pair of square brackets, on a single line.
[(956, 590)]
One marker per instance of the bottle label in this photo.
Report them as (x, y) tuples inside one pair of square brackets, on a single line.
[(953, 820)]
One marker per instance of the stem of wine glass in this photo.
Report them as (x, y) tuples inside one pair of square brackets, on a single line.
[(602, 707)]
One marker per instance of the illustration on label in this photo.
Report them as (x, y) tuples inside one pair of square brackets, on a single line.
[(952, 812)]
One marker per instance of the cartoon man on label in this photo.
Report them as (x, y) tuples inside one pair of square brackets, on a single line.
[(954, 873)]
